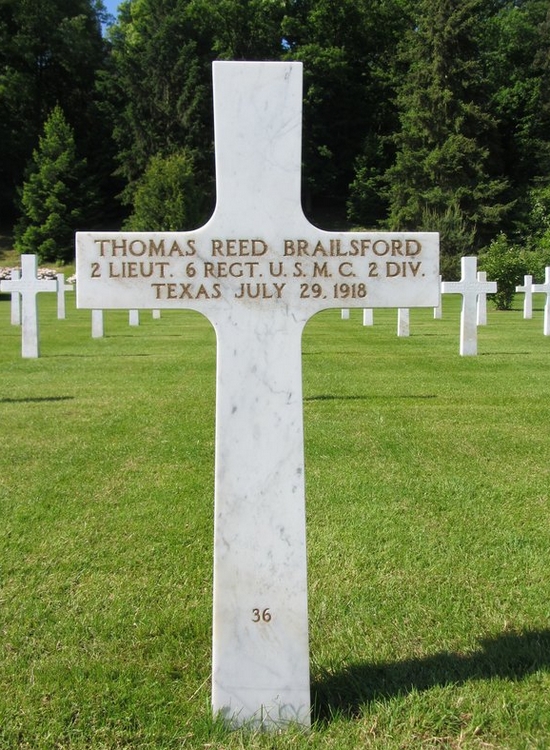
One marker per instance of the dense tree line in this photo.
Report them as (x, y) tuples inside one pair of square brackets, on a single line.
[(418, 114)]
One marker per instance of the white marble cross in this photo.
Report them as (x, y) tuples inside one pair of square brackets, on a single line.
[(368, 317), (28, 286), (527, 289), (258, 270), (545, 289), (61, 289), (469, 287), (97, 324), (15, 311), (438, 309), (403, 321), (481, 309)]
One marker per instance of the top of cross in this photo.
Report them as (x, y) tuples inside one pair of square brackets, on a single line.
[(258, 251), (28, 283), (469, 283), (527, 285), (546, 286)]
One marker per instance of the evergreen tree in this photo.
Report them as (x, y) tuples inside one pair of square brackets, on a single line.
[(167, 198), (160, 81), (346, 96), (54, 195), (516, 56), (50, 52), (441, 178)]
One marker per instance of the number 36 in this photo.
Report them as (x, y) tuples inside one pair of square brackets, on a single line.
[(263, 615)]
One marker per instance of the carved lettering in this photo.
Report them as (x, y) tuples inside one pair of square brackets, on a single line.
[(182, 268)]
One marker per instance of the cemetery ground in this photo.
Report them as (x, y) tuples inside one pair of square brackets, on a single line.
[(428, 521)]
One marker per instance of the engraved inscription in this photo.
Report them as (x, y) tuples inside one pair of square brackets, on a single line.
[(191, 267)]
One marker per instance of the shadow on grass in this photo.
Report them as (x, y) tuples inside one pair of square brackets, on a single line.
[(333, 397), (35, 399), (511, 656)]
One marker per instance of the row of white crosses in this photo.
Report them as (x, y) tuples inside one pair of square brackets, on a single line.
[(474, 290), (474, 287), (24, 286), (528, 289)]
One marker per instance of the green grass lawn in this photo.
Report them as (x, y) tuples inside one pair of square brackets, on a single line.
[(428, 515)]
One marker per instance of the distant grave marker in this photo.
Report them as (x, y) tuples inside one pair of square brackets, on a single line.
[(481, 310), (28, 286), (469, 287), (15, 307), (258, 270), (545, 289), (97, 324), (61, 289), (527, 289), (403, 322), (438, 309), (368, 317)]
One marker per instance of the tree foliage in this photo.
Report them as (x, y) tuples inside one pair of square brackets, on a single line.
[(50, 52), (54, 195), (443, 162), (167, 197), (506, 265), (418, 114)]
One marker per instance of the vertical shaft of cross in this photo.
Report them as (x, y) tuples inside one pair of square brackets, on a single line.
[(15, 300), (260, 633), (260, 637), (545, 288), (257, 150), (527, 289), (481, 310)]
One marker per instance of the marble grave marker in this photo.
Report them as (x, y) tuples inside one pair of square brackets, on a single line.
[(61, 289), (15, 307), (28, 286), (481, 307), (98, 330), (403, 322), (368, 317), (258, 270), (545, 289), (527, 289), (438, 309), (469, 287)]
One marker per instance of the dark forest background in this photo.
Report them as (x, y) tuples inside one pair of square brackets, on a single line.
[(418, 114)]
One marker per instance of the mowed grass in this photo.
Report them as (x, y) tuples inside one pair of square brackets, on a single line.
[(428, 517)]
